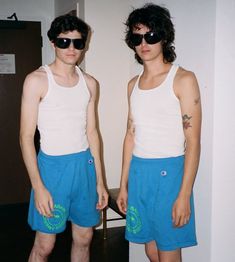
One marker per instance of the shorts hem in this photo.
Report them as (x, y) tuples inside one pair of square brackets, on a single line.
[(176, 246), (47, 231), (92, 224), (162, 247), (139, 240)]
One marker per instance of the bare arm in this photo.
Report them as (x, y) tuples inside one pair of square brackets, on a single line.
[(94, 141), (32, 93), (188, 93), (127, 155)]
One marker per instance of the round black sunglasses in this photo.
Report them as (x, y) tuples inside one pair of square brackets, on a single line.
[(150, 38), (64, 43)]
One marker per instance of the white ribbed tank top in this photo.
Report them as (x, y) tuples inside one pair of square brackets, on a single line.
[(157, 120), (62, 117)]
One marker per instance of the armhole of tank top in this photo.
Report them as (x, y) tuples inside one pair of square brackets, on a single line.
[(83, 81), (172, 80), (136, 85), (46, 68)]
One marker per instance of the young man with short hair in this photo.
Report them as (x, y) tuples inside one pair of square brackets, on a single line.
[(66, 175), (162, 142)]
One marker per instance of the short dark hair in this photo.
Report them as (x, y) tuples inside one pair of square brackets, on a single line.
[(66, 23), (157, 19)]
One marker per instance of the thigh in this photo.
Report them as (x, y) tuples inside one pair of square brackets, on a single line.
[(168, 237), (142, 189), (44, 240), (152, 251), (84, 197), (170, 256), (56, 179)]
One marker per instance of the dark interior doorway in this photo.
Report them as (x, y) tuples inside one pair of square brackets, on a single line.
[(20, 53)]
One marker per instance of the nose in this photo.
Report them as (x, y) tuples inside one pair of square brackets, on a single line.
[(143, 42), (71, 46)]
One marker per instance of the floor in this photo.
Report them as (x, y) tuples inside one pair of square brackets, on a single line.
[(16, 239)]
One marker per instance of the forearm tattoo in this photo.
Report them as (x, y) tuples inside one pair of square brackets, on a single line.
[(186, 121), (130, 126)]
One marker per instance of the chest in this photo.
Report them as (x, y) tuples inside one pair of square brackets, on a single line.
[(154, 103), (66, 99)]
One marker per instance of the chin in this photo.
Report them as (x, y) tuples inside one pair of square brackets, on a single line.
[(71, 62)]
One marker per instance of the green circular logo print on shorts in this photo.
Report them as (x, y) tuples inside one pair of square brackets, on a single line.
[(133, 222), (58, 220)]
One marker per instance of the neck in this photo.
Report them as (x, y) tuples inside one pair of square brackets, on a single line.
[(153, 67)]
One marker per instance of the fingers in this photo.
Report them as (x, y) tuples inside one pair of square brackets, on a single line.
[(45, 209), (179, 219), (122, 205), (103, 201), (122, 200), (181, 212), (50, 207), (38, 207), (51, 204), (174, 216), (43, 201)]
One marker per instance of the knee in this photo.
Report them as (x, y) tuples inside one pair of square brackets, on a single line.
[(43, 249), (82, 239)]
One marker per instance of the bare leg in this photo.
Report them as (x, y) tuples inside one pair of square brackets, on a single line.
[(170, 256), (151, 251), (43, 245), (82, 237)]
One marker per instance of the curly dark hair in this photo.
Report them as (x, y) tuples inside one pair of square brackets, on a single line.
[(66, 23), (157, 19)]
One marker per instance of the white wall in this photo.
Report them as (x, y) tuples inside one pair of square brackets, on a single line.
[(63, 7), (223, 211), (29, 10), (107, 60)]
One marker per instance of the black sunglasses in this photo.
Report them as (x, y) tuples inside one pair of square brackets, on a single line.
[(63, 43), (151, 38)]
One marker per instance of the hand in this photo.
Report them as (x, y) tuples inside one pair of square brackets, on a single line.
[(43, 201), (103, 197), (122, 201), (181, 211)]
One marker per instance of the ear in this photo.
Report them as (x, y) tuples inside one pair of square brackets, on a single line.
[(52, 45)]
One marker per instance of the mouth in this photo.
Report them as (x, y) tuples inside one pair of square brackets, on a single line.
[(144, 51), (71, 55)]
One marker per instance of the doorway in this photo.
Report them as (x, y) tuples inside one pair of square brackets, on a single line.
[(20, 54)]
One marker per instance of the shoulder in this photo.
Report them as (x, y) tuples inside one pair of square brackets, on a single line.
[(36, 81), (185, 82), (184, 76), (91, 82), (37, 75), (131, 84)]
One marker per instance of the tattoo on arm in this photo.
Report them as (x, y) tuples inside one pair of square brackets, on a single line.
[(186, 121), (130, 126)]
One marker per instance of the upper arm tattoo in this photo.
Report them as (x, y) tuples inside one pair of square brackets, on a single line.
[(186, 121)]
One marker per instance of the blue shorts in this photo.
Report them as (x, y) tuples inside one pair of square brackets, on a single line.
[(153, 187), (71, 180)]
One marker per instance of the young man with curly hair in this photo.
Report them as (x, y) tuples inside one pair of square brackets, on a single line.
[(162, 143), (66, 175)]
